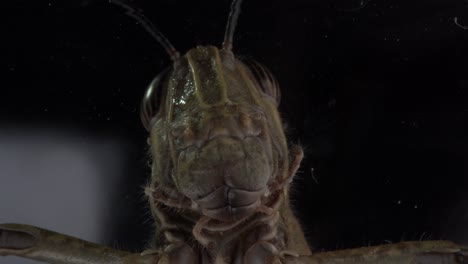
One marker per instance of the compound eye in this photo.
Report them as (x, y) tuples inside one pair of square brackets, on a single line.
[(265, 79), (152, 100)]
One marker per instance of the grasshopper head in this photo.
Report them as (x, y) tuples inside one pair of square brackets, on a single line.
[(215, 132), (218, 119)]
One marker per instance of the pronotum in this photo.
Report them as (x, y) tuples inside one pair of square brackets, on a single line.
[(221, 170)]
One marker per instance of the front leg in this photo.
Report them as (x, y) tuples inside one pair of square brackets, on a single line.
[(262, 253), (427, 252), (51, 247), (179, 253)]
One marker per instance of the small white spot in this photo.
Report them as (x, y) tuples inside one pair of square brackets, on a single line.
[(313, 175), (399, 202)]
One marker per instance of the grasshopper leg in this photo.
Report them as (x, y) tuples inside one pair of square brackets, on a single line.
[(425, 252), (51, 247)]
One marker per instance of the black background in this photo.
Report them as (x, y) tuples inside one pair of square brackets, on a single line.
[(376, 93)]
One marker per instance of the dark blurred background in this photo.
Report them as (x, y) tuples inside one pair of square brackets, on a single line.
[(375, 91)]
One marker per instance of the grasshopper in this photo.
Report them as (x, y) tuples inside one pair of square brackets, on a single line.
[(221, 170)]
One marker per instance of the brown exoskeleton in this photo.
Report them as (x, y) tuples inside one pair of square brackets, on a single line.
[(220, 175)]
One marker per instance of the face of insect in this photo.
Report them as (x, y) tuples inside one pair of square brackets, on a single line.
[(218, 120)]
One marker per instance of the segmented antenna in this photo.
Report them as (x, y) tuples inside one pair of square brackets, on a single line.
[(231, 24), (149, 27)]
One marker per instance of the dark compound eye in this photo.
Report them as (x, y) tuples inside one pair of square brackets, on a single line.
[(265, 79), (152, 100)]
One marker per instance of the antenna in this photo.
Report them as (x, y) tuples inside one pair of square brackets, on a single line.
[(149, 27), (231, 24)]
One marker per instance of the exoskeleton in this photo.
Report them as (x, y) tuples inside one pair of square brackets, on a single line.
[(221, 169)]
